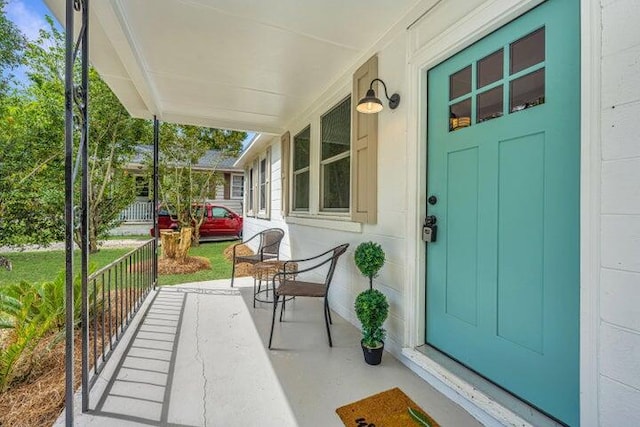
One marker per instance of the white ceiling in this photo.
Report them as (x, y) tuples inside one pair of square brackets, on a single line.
[(236, 64)]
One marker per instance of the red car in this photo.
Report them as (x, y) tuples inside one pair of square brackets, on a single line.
[(219, 221)]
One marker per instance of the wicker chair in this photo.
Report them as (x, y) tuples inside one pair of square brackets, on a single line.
[(296, 286), (269, 248)]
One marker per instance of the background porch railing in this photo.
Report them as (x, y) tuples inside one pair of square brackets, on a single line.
[(115, 294), (139, 211)]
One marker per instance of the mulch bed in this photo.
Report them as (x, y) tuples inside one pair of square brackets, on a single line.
[(190, 265)]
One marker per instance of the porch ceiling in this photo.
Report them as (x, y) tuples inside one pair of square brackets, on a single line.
[(247, 65)]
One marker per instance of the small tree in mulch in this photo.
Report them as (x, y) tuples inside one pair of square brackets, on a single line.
[(176, 244), (175, 253)]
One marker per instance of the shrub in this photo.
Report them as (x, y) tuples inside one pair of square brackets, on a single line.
[(369, 258), (372, 309), (31, 311)]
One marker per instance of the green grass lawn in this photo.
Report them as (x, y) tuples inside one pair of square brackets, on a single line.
[(220, 267), (46, 265)]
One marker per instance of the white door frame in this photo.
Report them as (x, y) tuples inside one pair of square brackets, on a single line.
[(485, 19)]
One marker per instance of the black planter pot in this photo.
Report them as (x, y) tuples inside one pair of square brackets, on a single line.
[(373, 356)]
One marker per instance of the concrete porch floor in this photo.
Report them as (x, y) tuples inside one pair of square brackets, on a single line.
[(197, 357)]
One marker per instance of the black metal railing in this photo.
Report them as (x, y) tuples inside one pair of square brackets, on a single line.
[(116, 293)]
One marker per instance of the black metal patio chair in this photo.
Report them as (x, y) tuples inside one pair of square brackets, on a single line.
[(295, 286), (269, 248)]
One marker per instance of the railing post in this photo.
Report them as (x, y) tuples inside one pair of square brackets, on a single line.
[(84, 229), (156, 150), (78, 96), (68, 211)]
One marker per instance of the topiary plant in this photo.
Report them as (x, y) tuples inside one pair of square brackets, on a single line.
[(371, 306), (369, 259), (372, 309)]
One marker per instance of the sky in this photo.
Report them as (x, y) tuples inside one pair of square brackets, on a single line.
[(28, 15)]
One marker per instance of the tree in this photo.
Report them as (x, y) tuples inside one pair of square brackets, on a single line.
[(28, 201), (113, 137), (183, 186), (31, 174), (32, 197)]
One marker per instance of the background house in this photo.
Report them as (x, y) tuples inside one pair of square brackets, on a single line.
[(228, 190)]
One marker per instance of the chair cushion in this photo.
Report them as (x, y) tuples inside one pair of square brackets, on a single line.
[(301, 289)]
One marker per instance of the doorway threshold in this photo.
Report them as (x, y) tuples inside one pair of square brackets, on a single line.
[(501, 405)]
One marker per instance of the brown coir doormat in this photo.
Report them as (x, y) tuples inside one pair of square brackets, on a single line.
[(391, 408)]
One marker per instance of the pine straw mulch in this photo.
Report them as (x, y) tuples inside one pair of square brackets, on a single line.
[(39, 397), (244, 268), (190, 265)]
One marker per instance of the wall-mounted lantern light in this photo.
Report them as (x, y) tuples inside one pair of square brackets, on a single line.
[(371, 104)]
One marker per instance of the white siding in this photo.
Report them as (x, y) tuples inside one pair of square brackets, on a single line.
[(619, 364)]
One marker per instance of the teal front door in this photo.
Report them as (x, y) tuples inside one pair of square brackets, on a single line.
[(504, 172)]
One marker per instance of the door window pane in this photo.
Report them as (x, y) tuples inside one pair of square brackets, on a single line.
[(527, 51), (336, 184), (460, 83), (490, 69), (460, 115), (527, 91), (490, 105)]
